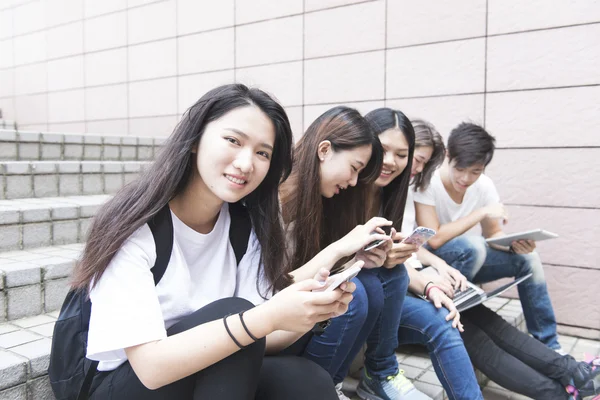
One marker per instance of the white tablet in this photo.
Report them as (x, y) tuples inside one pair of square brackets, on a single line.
[(536, 234)]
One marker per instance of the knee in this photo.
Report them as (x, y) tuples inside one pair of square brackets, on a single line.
[(532, 263), (320, 380), (473, 251), (440, 332), (360, 306)]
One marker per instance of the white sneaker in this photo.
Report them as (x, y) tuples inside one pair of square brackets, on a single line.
[(338, 390), (561, 351)]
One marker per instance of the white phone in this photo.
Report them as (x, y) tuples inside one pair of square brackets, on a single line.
[(377, 243), (339, 278), (419, 236)]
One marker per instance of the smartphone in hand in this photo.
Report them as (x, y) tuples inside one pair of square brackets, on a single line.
[(419, 236), (377, 243), (339, 278)]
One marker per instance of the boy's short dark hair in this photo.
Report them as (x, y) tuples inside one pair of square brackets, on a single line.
[(470, 144)]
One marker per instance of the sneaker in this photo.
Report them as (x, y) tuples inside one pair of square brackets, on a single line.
[(395, 387), (560, 351), (585, 382), (338, 390)]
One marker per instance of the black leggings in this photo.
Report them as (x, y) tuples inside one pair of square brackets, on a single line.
[(513, 359), (245, 375)]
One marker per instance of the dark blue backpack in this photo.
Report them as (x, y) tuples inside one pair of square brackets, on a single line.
[(70, 372)]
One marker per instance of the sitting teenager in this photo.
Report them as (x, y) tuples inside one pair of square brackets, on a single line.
[(197, 333), (335, 163), (503, 353), (458, 199)]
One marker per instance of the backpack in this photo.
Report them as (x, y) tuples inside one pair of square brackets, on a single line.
[(70, 372)]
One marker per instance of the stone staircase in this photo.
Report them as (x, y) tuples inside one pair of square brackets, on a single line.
[(50, 187)]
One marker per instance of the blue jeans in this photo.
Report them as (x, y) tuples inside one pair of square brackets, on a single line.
[(423, 324), (481, 263), (373, 317)]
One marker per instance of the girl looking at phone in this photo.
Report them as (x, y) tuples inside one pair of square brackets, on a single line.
[(185, 337), (336, 161)]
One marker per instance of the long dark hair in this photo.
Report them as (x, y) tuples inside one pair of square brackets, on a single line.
[(427, 136), (138, 202), (319, 221), (394, 194)]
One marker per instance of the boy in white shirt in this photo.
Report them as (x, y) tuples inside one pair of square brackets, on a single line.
[(461, 200)]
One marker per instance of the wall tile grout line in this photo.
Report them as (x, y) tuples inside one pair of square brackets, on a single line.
[(485, 63)]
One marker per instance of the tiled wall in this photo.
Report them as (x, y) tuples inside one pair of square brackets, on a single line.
[(528, 70)]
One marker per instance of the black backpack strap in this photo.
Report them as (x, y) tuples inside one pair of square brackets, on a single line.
[(161, 226), (84, 392), (239, 230)]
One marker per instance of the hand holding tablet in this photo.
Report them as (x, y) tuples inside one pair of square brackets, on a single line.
[(535, 235)]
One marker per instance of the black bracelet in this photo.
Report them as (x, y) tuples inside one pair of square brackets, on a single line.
[(426, 286), (231, 334), (245, 327)]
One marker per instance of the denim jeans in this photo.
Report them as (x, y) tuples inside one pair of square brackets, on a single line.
[(373, 317), (423, 324), (513, 359), (481, 263)]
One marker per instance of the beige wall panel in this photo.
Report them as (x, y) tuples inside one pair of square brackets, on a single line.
[(259, 10), (7, 105), (31, 109), (34, 128), (105, 32), (553, 177), (106, 102), (295, 116), (193, 87), (65, 73), (28, 49), (515, 15), (418, 71), (342, 30), (151, 22), (6, 23), (578, 229), (93, 8), (311, 113), (268, 42), (71, 127), (7, 82), (415, 22), (203, 15), (65, 40), (206, 51), (443, 112), (106, 67), (7, 49), (545, 118), (153, 60), (153, 98), (118, 127), (356, 77), (30, 17), (31, 78), (153, 126), (284, 81), (312, 5), (63, 11), (543, 59), (68, 106)]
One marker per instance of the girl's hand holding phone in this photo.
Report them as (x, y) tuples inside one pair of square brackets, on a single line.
[(375, 257), (400, 252), (297, 309), (362, 235)]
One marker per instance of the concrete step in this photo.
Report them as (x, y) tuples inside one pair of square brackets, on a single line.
[(26, 179), (20, 146), (35, 281), (42, 222)]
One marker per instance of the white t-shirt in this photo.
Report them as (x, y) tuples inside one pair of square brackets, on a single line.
[(480, 194), (409, 219), (128, 309)]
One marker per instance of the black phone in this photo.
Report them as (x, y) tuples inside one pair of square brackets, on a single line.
[(377, 243)]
